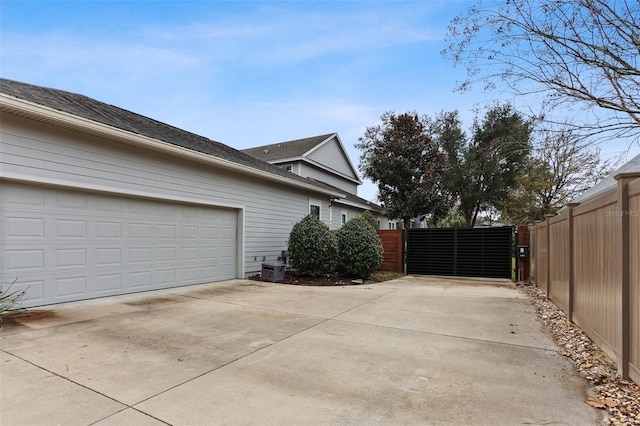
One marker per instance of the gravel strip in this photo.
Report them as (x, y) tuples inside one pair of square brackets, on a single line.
[(619, 398)]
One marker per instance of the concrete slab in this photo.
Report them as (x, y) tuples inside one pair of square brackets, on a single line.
[(491, 313), (347, 373), (134, 356), (129, 417), (322, 302), (412, 351), (30, 395)]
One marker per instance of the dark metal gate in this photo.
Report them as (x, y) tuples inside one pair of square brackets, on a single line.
[(476, 252)]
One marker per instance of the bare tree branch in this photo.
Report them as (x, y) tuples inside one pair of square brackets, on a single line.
[(582, 52)]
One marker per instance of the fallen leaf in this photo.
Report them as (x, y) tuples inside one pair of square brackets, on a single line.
[(610, 403), (595, 402)]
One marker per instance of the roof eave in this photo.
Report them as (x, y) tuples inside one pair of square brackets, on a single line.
[(63, 119), (363, 206), (315, 164)]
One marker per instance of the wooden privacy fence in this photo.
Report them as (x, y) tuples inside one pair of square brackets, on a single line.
[(587, 260), (393, 243)]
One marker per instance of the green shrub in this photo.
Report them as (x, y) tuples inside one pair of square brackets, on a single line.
[(312, 248), (368, 216), (359, 248)]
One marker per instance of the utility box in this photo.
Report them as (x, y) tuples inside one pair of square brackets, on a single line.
[(273, 272), (522, 252)]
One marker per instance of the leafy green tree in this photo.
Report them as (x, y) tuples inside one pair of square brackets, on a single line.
[(481, 171), (562, 166), (453, 219), (407, 165)]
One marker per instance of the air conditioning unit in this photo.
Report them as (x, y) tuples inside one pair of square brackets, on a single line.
[(273, 272)]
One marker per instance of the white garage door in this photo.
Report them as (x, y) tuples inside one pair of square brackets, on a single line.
[(71, 245)]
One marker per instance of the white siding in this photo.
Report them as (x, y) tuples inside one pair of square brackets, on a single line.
[(40, 152), (307, 170), (332, 156)]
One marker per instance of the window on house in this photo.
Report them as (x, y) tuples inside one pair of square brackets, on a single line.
[(314, 209), (343, 218), (287, 167)]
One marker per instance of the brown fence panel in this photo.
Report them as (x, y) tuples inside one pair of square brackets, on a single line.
[(597, 253), (533, 259), (634, 280), (588, 261), (541, 255), (393, 250), (558, 249)]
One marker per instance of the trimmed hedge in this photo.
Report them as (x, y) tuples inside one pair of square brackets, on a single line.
[(312, 248), (360, 250)]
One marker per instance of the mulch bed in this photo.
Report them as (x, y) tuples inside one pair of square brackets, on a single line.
[(321, 281)]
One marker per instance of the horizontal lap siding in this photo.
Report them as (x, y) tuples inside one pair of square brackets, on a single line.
[(559, 261), (597, 275), (307, 170), (634, 279), (40, 151), (331, 155)]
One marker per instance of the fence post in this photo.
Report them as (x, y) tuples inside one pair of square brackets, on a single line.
[(548, 217), (570, 207), (536, 226), (532, 252), (622, 216)]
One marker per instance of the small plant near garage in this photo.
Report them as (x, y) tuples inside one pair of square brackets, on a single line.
[(10, 299), (312, 248), (360, 250)]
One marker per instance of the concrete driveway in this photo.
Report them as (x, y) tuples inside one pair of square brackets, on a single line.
[(412, 351)]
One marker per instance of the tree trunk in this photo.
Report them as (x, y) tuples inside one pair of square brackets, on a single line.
[(406, 222)]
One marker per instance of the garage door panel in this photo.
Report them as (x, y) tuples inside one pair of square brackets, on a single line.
[(71, 288), (70, 229), (23, 228), (72, 245)]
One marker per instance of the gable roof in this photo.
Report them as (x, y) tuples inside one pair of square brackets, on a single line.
[(289, 149), (299, 150), (85, 114)]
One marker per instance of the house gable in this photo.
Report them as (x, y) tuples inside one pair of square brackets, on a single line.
[(324, 153), (331, 154)]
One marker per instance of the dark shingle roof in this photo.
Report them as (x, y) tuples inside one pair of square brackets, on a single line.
[(91, 109), (288, 149)]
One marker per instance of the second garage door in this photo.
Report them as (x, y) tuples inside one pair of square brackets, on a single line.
[(72, 245)]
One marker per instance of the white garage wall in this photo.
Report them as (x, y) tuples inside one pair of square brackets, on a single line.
[(39, 152)]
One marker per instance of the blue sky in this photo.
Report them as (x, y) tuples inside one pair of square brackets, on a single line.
[(245, 73)]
